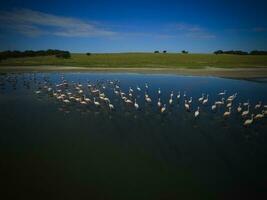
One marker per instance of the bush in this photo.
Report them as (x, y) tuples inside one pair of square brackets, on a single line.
[(231, 52), (256, 52), (65, 55), (30, 53), (156, 51), (88, 54), (164, 51), (184, 52)]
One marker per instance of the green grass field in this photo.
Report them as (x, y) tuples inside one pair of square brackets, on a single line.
[(143, 60)]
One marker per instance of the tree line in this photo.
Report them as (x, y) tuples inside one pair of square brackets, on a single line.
[(254, 52), (30, 53)]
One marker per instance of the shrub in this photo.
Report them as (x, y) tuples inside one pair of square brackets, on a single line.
[(64, 54)]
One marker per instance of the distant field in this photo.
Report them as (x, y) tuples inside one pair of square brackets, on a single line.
[(143, 60)]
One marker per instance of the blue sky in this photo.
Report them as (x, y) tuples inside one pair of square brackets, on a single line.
[(130, 26)]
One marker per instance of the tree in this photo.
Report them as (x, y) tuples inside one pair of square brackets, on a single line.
[(88, 54), (64, 54), (156, 51), (164, 51), (184, 52), (218, 52)]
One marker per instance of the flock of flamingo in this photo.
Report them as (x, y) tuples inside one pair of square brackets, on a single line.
[(96, 94), (71, 93)]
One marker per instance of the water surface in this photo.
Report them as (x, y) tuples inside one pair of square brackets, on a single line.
[(49, 149)]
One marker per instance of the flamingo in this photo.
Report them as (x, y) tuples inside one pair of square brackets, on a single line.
[(260, 115), (111, 106), (186, 105), (171, 95), (222, 93), (205, 101), (163, 109), (201, 98), (246, 103), (219, 102), (136, 105), (239, 108), (246, 112), (190, 100), (197, 112), (178, 95), (170, 101), (257, 106), (229, 105), (227, 113), (128, 101), (96, 102), (159, 103), (249, 121)]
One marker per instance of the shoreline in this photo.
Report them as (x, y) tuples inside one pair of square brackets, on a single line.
[(259, 72)]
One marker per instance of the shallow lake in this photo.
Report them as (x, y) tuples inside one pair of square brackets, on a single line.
[(53, 149)]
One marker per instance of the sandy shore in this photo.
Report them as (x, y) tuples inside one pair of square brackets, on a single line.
[(258, 72)]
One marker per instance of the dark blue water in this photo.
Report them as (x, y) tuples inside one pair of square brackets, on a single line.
[(52, 150)]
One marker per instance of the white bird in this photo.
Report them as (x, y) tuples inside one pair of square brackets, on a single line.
[(66, 101), (205, 101), (229, 105), (130, 90), (219, 102), (222, 93), (186, 105), (227, 113), (111, 106), (148, 99), (178, 95), (246, 112), (239, 108), (146, 85), (163, 109), (86, 99), (170, 101), (159, 91), (116, 92), (201, 98), (37, 92), (232, 97), (213, 107), (128, 101), (260, 115), (190, 100), (171, 95), (246, 103), (136, 105), (197, 112), (184, 94), (159, 103), (83, 102), (258, 105), (96, 102), (249, 121), (138, 88)]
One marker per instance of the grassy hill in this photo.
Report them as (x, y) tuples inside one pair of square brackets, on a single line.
[(143, 60)]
